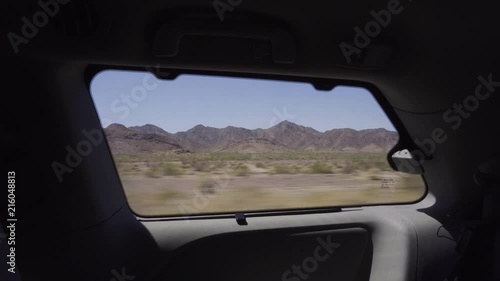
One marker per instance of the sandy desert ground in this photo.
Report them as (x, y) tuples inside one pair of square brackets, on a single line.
[(194, 183)]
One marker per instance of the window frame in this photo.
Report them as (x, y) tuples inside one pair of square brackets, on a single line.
[(320, 84)]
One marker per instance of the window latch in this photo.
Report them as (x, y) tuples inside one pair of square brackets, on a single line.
[(241, 219)]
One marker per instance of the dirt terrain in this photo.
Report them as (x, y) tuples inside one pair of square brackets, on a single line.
[(188, 183), (233, 169)]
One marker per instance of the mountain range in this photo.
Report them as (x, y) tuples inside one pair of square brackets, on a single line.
[(281, 137)]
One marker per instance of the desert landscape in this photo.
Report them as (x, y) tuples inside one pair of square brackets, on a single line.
[(288, 166)]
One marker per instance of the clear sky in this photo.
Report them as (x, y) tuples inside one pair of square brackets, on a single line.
[(138, 98)]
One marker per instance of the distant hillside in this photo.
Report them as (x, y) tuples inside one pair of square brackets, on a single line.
[(291, 135), (150, 129), (208, 138), (124, 140), (284, 136)]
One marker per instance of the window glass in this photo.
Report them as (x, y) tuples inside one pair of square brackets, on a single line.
[(208, 144)]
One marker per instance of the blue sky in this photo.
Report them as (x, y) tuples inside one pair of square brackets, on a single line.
[(138, 98)]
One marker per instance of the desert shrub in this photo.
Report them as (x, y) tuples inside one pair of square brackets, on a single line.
[(241, 170), (260, 165), (120, 158), (187, 161), (348, 169), (363, 165), (321, 168), (207, 186), (201, 166), (284, 169), (171, 169), (220, 164), (153, 172)]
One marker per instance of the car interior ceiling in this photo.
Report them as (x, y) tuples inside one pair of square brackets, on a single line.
[(428, 59)]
